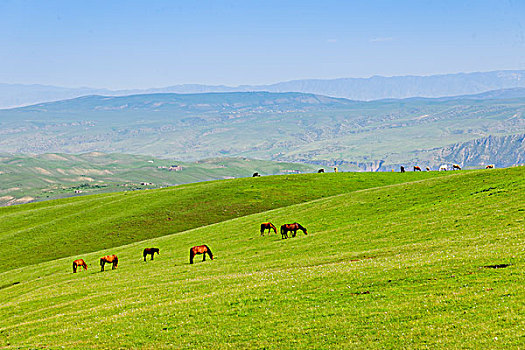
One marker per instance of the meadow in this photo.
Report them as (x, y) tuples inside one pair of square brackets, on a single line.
[(390, 261)]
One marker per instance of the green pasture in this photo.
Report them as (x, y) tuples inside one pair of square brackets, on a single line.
[(387, 263)]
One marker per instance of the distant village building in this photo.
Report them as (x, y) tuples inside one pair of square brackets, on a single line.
[(78, 191), (146, 183), (291, 171)]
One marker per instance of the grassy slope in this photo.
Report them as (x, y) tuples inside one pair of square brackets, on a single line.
[(391, 267), (25, 178), (64, 227)]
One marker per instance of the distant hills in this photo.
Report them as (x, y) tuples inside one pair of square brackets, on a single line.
[(291, 127), (365, 89)]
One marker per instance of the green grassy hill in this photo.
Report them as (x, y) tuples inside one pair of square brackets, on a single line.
[(391, 265), (27, 178)]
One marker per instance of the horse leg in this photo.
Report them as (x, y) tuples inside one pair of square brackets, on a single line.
[(204, 256), (152, 254), (145, 255), (191, 257), (74, 268), (102, 266)]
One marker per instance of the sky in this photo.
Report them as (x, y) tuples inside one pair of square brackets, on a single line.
[(143, 44)]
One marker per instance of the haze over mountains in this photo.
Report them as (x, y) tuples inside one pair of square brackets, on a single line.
[(365, 89), (376, 135)]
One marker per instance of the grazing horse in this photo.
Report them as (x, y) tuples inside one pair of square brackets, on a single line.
[(320, 171), (150, 251), (490, 166), (79, 263), (291, 228), (200, 249), (443, 168), (428, 169), (402, 169), (268, 226), (256, 175), (416, 168), (110, 259), (456, 166)]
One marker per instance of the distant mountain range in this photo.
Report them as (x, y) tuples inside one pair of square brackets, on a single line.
[(364, 89), (292, 127)]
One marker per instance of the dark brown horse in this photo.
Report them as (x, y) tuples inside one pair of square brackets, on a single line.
[(110, 259), (456, 167), (268, 226), (150, 251), (291, 228), (417, 168), (200, 249), (320, 171), (79, 263)]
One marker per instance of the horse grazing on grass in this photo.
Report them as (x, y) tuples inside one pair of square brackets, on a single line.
[(110, 259), (200, 249), (456, 167), (320, 171), (150, 251), (256, 175), (490, 166), (428, 168), (291, 228), (79, 263), (402, 168), (268, 226), (417, 168)]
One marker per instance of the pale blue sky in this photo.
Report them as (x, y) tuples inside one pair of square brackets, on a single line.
[(140, 44)]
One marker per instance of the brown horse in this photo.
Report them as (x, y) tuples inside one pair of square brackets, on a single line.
[(417, 168), (268, 226), (320, 171), (79, 263), (150, 251), (456, 167), (291, 228), (490, 166), (110, 259), (200, 249)]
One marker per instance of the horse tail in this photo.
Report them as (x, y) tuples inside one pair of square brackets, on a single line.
[(101, 261), (192, 254), (209, 252), (74, 267)]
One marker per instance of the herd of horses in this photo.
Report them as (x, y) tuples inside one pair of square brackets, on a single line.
[(113, 259), (442, 167), (196, 250), (293, 228)]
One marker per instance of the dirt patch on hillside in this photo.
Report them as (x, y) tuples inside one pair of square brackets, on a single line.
[(81, 171), (52, 156), (42, 171)]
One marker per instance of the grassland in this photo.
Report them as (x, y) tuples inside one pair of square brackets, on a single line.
[(28, 178), (397, 265)]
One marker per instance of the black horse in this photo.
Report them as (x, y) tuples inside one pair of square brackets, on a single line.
[(150, 251)]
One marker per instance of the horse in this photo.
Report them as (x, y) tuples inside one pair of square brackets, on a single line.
[(200, 249), (291, 228), (443, 168), (110, 259), (269, 226), (256, 175), (150, 251), (320, 171), (402, 169), (416, 168), (428, 168), (456, 166), (79, 263), (490, 166), (335, 170)]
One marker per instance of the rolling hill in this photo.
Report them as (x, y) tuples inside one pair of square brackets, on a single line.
[(292, 127), (434, 261), (26, 178)]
